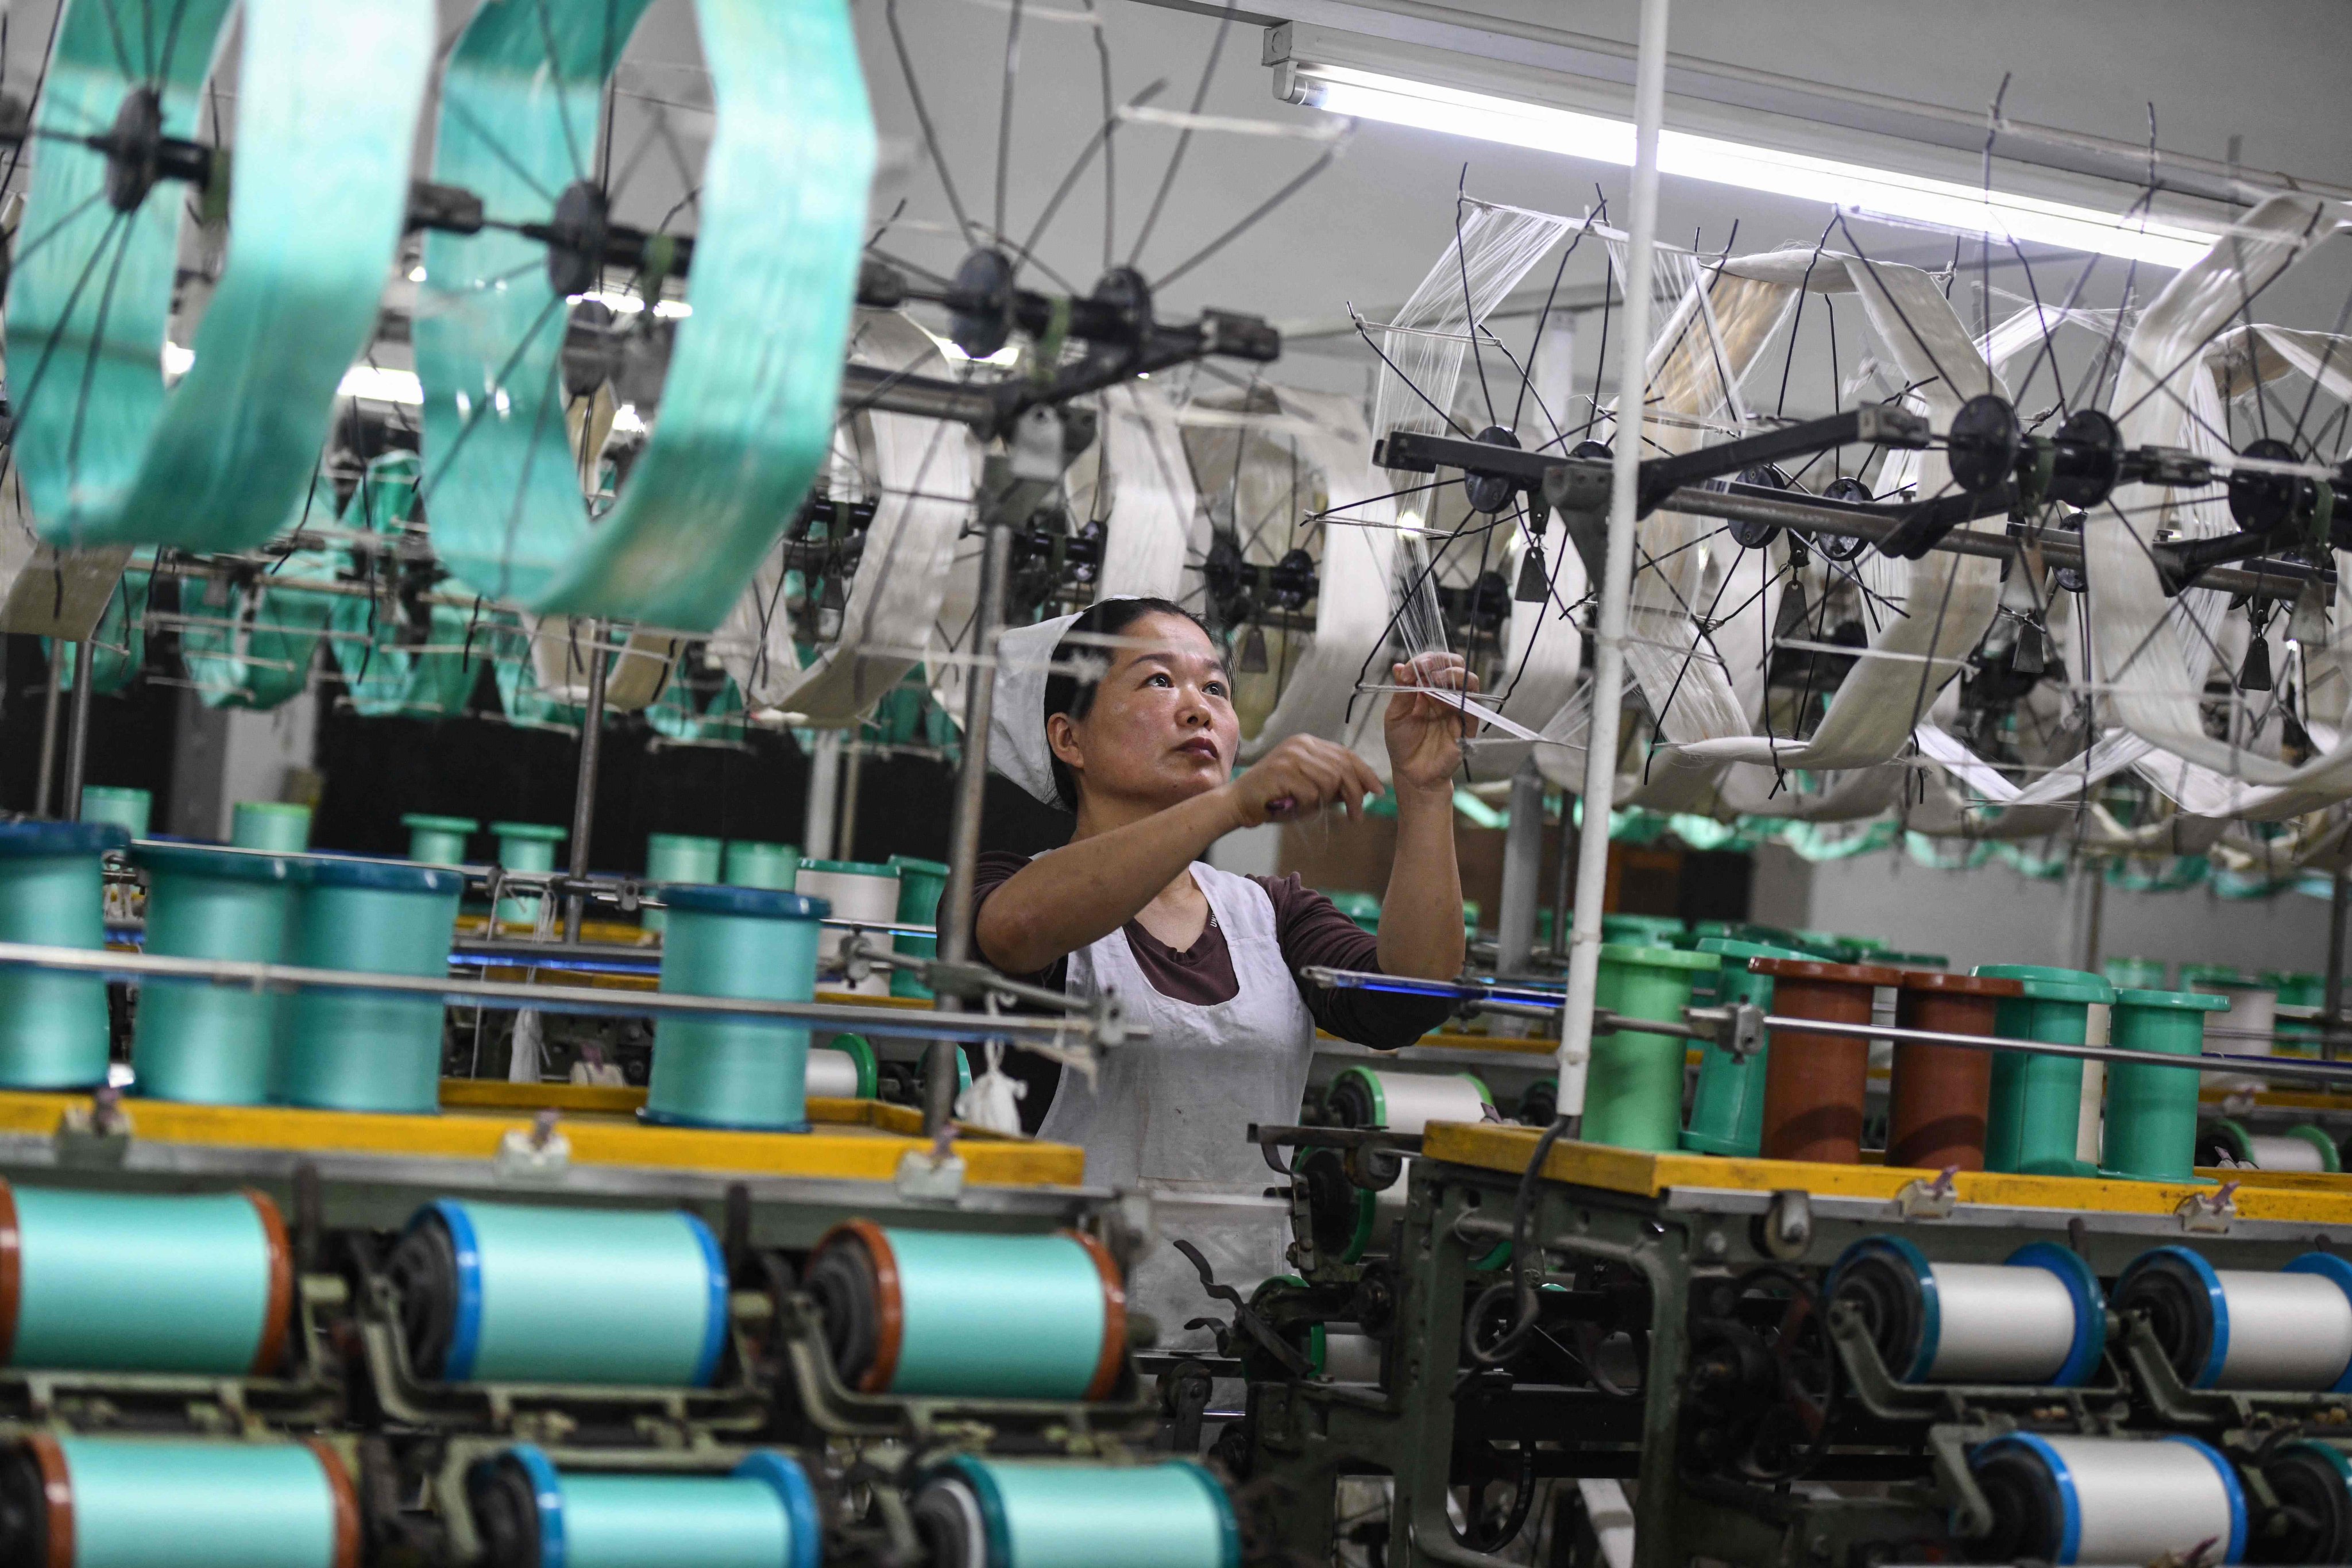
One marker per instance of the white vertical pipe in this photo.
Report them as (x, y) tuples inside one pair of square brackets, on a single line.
[(824, 795), (1514, 926), (1617, 573)]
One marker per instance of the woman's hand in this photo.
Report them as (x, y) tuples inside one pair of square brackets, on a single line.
[(1425, 733), (1299, 777)]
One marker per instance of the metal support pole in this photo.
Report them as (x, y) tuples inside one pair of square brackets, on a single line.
[(853, 764), (2090, 916), (1617, 571), (817, 830), (1514, 926), (1563, 882), (954, 919), (49, 769), (78, 735), (583, 795), (2338, 908)]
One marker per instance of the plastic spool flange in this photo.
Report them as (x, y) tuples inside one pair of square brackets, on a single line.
[(23, 1507), (1886, 1296), (842, 1282), (506, 1513), (423, 1271), (2313, 1483)]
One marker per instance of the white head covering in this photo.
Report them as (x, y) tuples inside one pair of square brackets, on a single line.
[(1016, 720)]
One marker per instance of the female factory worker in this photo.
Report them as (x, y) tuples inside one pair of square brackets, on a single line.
[(1205, 961)]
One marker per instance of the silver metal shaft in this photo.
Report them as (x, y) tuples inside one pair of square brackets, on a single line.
[(78, 734), (583, 794), (47, 775)]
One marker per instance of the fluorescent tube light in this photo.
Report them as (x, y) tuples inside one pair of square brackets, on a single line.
[(364, 381), (1849, 188)]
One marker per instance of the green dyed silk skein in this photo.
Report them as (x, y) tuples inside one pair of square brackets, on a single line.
[(748, 410), (182, 1503), (254, 649), (326, 105), (137, 1282), (396, 658)]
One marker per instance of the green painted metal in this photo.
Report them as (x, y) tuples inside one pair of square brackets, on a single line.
[(199, 1504), (2151, 1122), (680, 857), (1727, 1111), (2037, 1102), (996, 1316), (753, 864), (1633, 1095), (735, 1072), (279, 825), (397, 658), (921, 883), (525, 847), (349, 1050), (739, 433), (1040, 1515), (439, 840), (656, 1281), (252, 645), (135, 1282), (323, 136), (127, 809), (197, 1041), (53, 1027)]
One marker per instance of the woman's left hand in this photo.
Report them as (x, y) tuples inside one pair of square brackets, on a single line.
[(1425, 733)]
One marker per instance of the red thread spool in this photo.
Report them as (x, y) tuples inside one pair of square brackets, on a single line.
[(1937, 1103), (1814, 1084)]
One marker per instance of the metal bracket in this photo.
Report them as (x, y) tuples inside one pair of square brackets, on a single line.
[(933, 1175), (539, 1156), (1929, 1199), (96, 1136), (2208, 1214), (1741, 1032)]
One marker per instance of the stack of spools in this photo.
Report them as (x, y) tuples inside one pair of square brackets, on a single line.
[(53, 1026), (743, 1072)]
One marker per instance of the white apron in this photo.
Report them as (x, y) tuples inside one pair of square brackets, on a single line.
[(1170, 1115)]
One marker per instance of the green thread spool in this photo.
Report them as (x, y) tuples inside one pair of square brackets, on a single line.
[(2151, 1126), (750, 1073), (2037, 1102), (1727, 1111), (439, 840), (354, 1050), (1633, 1094), (2137, 974), (509, 1293), (844, 1068), (135, 1282), (178, 1502), (679, 858), (277, 825), (931, 1313), (531, 1515), (1642, 930), (53, 1027), (127, 809), (751, 863), (921, 883), (197, 1041), (525, 847), (1030, 1513)]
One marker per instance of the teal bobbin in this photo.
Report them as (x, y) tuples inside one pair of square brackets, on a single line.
[(510, 1293), (679, 858), (178, 1503), (752, 864), (1031, 1513), (930, 1312), (215, 1044), (127, 809), (139, 1282), (527, 847), (53, 1026), (921, 883), (439, 840), (357, 1050), (1633, 1095), (2037, 1102), (2151, 1122), (752, 1073), (277, 824), (1728, 1110), (530, 1514)]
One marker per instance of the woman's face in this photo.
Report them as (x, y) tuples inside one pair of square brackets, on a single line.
[(1161, 729)]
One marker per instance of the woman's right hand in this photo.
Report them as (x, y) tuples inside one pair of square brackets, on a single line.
[(1299, 777)]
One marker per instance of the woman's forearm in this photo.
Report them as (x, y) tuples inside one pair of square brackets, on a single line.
[(1421, 917), (1081, 893)]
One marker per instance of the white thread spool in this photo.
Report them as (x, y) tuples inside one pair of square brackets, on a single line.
[(2088, 1128), (833, 1074), (2246, 1029), (2037, 1319), (857, 891), (2291, 1331), (1406, 1101), (2109, 1499), (2285, 1151)]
